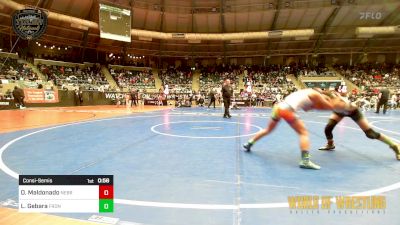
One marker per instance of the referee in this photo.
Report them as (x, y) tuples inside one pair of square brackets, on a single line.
[(383, 99), (227, 93)]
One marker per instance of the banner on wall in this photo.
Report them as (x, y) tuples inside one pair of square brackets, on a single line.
[(115, 95), (7, 104), (154, 102), (40, 96), (242, 103), (329, 85)]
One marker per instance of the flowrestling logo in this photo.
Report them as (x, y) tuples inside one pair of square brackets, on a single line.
[(29, 24), (371, 15)]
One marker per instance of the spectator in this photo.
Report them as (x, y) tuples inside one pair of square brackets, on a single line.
[(383, 100), (19, 97), (211, 96), (78, 97)]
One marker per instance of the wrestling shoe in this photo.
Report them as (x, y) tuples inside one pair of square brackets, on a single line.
[(327, 147), (307, 164), (247, 147), (396, 149)]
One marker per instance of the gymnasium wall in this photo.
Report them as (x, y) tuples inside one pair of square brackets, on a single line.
[(66, 98)]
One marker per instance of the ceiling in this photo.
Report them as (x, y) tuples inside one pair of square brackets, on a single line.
[(334, 23)]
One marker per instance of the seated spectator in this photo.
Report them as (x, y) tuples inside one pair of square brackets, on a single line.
[(179, 80), (133, 79), (369, 76), (314, 71), (12, 69), (212, 77), (88, 78)]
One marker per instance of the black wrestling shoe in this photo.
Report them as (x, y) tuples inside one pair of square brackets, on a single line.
[(396, 149), (247, 147), (229, 116), (327, 147), (225, 116)]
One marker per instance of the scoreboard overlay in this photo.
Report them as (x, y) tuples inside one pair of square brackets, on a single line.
[(66, 193)]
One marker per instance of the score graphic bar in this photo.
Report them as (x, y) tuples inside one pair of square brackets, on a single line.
[(66, 193)]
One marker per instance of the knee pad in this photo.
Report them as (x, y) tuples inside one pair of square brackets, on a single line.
[(329, 128), (372, 134)]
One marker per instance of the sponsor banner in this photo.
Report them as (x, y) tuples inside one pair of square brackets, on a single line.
[(242, 103), (7, 104), (178, 35), (323, 84), (40, 96), (275, 33), (121, 95), (153, 102), (115, 95)]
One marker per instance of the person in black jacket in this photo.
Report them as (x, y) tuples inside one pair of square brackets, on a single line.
[(383, 99), (134, 97), (19, 97), (227, 92), (211, 96)]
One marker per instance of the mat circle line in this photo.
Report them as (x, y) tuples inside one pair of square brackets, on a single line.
[(153, 129)]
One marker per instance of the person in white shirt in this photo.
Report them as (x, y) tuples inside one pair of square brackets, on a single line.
[(393, 101), (363, 103), (278, 97), (374, 101)]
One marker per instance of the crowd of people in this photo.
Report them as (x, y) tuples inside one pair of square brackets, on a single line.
[(133, 78), (179, 79), (212, 77), (370, 101), (369, 76), (267, 83), (261, 83), (314, 71), (86, 78), (11, 69)]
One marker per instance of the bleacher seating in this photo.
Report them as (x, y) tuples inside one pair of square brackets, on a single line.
[(179, 80), (72, 77), (314, 71), (267, 82), (212, 77), (12, 69), (370, 76), (137, 79)]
